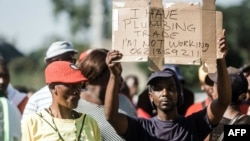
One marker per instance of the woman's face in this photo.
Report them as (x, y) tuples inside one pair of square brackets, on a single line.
[(67, 95)]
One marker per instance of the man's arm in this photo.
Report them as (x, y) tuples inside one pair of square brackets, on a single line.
[(117, 120), (217, 108)]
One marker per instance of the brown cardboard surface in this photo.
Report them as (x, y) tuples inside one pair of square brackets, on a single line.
[(183, 42), (170, 33), (130, 30)]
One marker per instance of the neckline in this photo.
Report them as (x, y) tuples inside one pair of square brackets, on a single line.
[(57, 130)]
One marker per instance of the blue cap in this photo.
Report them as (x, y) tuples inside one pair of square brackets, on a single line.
[(157, 74), (176, 69)]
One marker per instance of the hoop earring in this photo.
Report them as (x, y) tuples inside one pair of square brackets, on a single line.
[(154, 107)]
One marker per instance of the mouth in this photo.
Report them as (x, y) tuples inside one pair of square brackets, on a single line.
[(164, 101)]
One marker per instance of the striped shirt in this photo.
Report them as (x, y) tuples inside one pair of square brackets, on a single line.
[(38, 101), (97, 111)]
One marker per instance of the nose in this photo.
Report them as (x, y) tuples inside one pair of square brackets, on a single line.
[(164, 92)]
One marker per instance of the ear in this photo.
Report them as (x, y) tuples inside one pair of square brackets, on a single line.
[(150, 96), (52, 88)]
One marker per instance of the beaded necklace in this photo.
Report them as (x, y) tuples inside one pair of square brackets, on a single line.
[(54, 127)]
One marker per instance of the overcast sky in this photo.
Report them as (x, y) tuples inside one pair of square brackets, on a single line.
[(27, 23)]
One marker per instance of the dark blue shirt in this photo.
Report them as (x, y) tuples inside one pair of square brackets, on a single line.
[(192, 128)]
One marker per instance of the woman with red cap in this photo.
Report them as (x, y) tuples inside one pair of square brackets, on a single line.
[(60, 121)]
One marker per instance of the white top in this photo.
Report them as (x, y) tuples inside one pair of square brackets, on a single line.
[(14, 95), (12, 121)]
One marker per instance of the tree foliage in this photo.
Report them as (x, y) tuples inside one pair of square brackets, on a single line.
[(236, 20), (79, 14)]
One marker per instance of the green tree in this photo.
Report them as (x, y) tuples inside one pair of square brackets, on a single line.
[(236, 20), (79, 14)]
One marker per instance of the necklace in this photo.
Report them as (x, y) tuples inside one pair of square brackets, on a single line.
[(56, 129)]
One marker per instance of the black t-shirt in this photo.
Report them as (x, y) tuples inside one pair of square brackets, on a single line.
[(192, 128)]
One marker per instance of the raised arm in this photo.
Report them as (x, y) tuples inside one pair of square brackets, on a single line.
[(217, 108), (117, 120)]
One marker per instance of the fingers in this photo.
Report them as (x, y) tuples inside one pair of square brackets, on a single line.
[(114, 67), (223, 32), (112, 56), (221, 43)]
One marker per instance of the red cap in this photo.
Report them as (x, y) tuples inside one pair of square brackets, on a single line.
[(84, 54), (63, 71)]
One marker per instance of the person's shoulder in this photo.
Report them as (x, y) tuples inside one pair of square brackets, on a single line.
[(197, 106), (244, 119), (10, 105), (89, 118), (124, 99), (34, 117)]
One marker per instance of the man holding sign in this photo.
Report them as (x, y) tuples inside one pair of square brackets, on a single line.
[(165, 94)]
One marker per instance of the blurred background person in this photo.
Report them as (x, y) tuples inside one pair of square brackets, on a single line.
[(10, 116), (19, 98), (245, 106), (95, 69), (206, 85), (232, 115), (16, 97), (132, 82)]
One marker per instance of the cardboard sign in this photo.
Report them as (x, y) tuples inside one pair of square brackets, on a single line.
[(166, 33)]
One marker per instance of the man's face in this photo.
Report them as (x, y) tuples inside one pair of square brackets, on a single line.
[(164, 94), (4, 78)]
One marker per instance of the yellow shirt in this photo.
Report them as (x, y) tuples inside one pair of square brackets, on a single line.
[(35, 128)]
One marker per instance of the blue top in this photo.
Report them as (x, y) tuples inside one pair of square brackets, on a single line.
[(195, 127)]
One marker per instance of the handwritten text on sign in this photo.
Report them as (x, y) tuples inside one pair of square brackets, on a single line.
[(168, 32)]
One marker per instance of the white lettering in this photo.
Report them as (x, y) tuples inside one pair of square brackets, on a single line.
[(236, 132), (243, 131), (231, 132)]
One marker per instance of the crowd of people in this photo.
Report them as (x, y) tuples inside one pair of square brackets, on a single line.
[(89, 99)]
